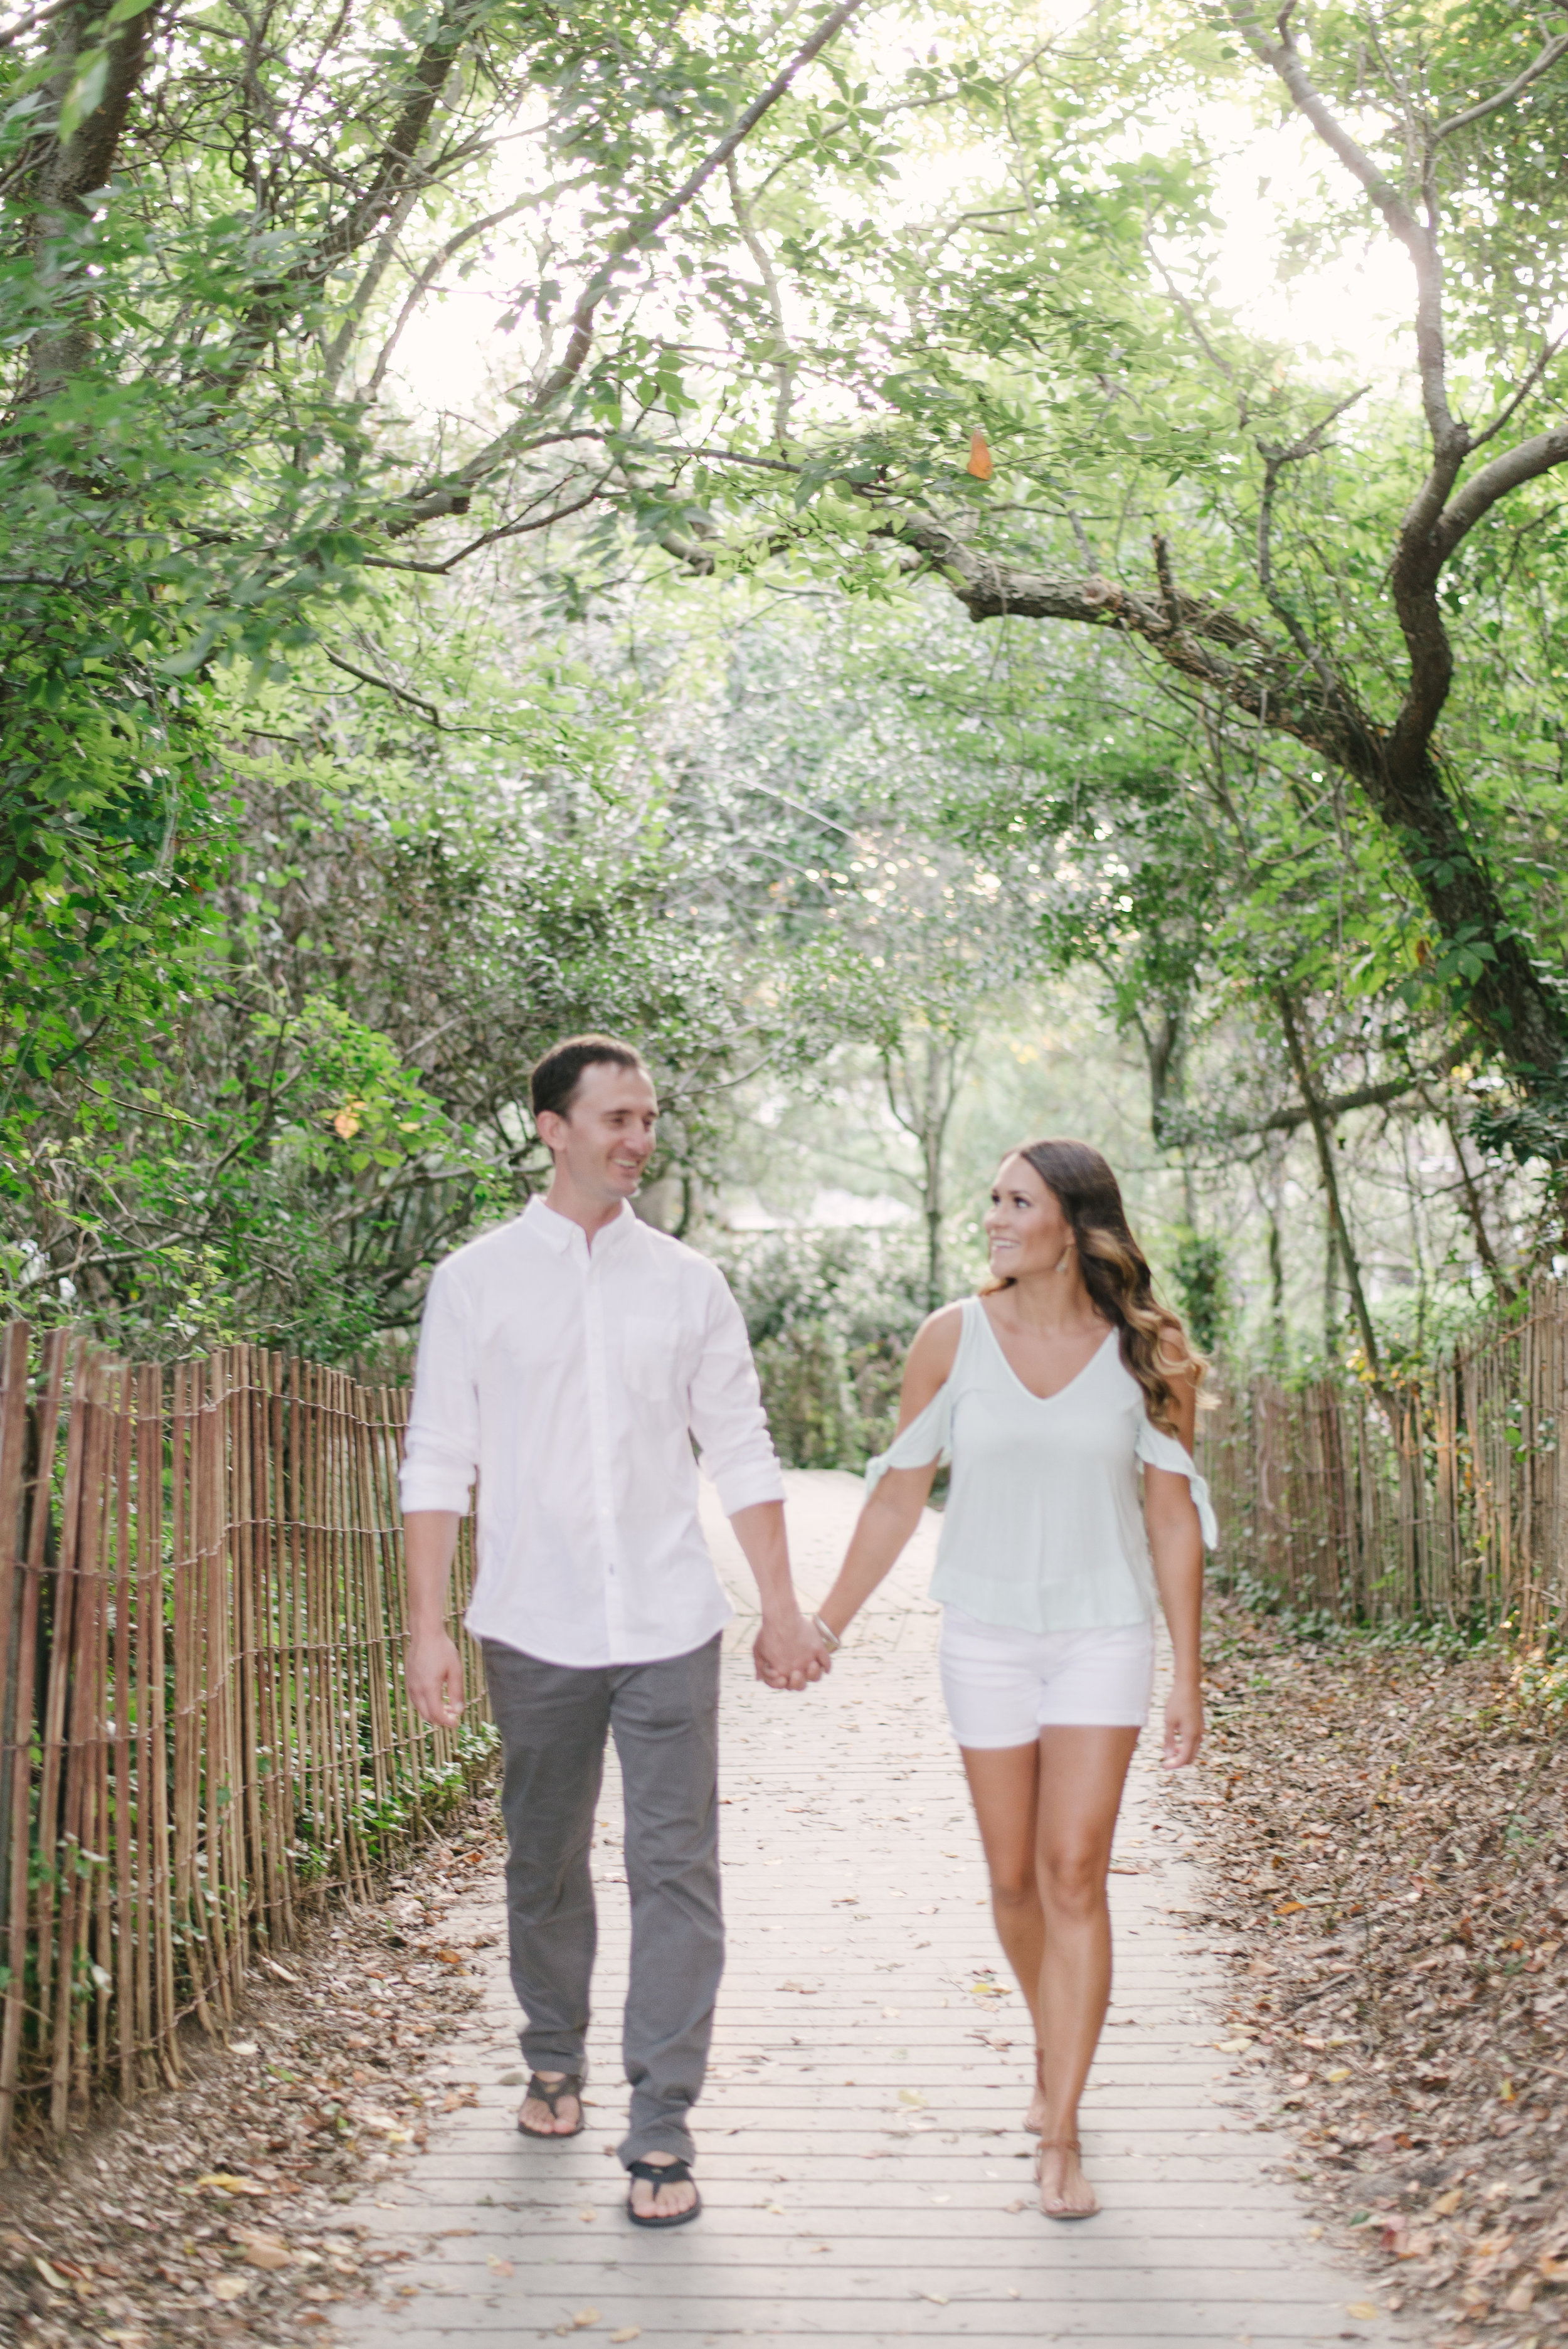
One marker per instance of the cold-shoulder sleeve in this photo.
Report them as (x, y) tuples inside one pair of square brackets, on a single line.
[(1158, 1450), (926, 1438)]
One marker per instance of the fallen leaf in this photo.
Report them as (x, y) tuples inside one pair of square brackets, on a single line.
[(937, 2299), (628, 2332), (910, 2096), (224, 2181), (1012, 2208), (1450, 2202), (587, 2217), (497, 2266), (1291, 1908), (1340, 2072), (231, 2287), (56, 2283), (583, 2317), (262, 2251), (1363, 2310)]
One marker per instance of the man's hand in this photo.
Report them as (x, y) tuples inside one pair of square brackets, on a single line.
[(787, 1654), (433, 1676)]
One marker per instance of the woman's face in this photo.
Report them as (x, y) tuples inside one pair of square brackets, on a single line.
[(1024, 1226)]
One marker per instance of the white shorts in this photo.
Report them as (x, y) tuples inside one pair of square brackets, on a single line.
[(1003, 1687)]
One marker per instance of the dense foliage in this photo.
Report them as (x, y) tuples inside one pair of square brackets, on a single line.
[(351, 748)]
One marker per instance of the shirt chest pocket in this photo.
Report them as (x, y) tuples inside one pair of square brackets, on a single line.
[(657, 1358)]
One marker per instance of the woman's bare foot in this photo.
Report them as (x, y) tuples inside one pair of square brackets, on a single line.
[(1034, 2118), (1065, 2191), (651, 2202), (536, 2119)]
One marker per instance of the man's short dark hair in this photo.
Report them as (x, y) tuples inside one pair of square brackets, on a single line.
[(555, 1078)]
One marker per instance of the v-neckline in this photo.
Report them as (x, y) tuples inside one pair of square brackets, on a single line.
[(1057, 1392)]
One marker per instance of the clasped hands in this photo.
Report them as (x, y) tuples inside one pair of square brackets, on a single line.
[(789, 1652)]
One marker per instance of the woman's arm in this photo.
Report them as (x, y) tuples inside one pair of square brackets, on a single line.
[(893, 1512), (1176, 1546)]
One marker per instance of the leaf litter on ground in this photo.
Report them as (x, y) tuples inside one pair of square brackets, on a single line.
[(1383, 1826), (210, 2216)]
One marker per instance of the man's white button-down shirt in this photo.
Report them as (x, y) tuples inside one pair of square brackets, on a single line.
[(572, 1380)]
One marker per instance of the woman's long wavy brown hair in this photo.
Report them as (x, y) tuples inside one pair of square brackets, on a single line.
[(1154, 1345)]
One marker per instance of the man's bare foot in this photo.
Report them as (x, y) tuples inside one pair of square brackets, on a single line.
[(1065, 2191), (535, 2118), (651, 2202), (1034, 2118)]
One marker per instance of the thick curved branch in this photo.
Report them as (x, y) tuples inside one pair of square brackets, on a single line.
[(1518, 1011), (1527, 462)]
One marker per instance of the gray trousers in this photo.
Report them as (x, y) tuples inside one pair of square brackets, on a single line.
[(554, 1720)]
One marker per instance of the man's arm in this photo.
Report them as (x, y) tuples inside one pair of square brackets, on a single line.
[(433, 1672), (728, 1419), (786, 1651)]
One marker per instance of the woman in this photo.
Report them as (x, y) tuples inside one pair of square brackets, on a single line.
[(1047, 1390)]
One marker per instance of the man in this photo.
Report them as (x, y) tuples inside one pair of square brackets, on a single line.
[(569, 1358)]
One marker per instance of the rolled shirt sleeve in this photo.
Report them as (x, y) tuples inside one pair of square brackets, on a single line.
[(442, 1448), (726, 1413)]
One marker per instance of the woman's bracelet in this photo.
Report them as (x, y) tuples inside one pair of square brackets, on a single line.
[(832, 1639)]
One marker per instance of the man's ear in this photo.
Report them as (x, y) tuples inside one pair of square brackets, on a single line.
[(550, 1128)]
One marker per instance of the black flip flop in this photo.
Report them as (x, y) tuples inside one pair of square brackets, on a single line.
[(662, 2173), (568, 2084)]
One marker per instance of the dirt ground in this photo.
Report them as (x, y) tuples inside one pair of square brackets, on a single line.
[(209, 2214), (1384, 1827)]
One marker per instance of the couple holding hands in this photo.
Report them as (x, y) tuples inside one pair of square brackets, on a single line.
[(568, 1357)]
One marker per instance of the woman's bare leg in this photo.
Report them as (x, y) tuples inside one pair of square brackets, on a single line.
[(1003, 1782), (1081, 1775)]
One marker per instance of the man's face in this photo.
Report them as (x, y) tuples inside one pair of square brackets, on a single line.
[(606, 1140)]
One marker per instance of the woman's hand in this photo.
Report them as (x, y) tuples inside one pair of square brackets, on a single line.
[(1183, 1725)]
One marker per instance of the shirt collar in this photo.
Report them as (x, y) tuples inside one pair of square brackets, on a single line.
[(559, 1233)]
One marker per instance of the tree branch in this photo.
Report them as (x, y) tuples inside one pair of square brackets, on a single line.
[(784, 365), (1449, 437), (453, 491), (1317, 1117), (1516, 466), (427, 709), (1541, 63), (394, 178)]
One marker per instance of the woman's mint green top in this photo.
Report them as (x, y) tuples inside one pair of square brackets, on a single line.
[(1043, 1529)]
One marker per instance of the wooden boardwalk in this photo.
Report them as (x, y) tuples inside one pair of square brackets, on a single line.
[(865, 2177)]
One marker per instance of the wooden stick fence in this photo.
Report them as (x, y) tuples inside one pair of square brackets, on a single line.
[(1445, 1502), (203, 1728)]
